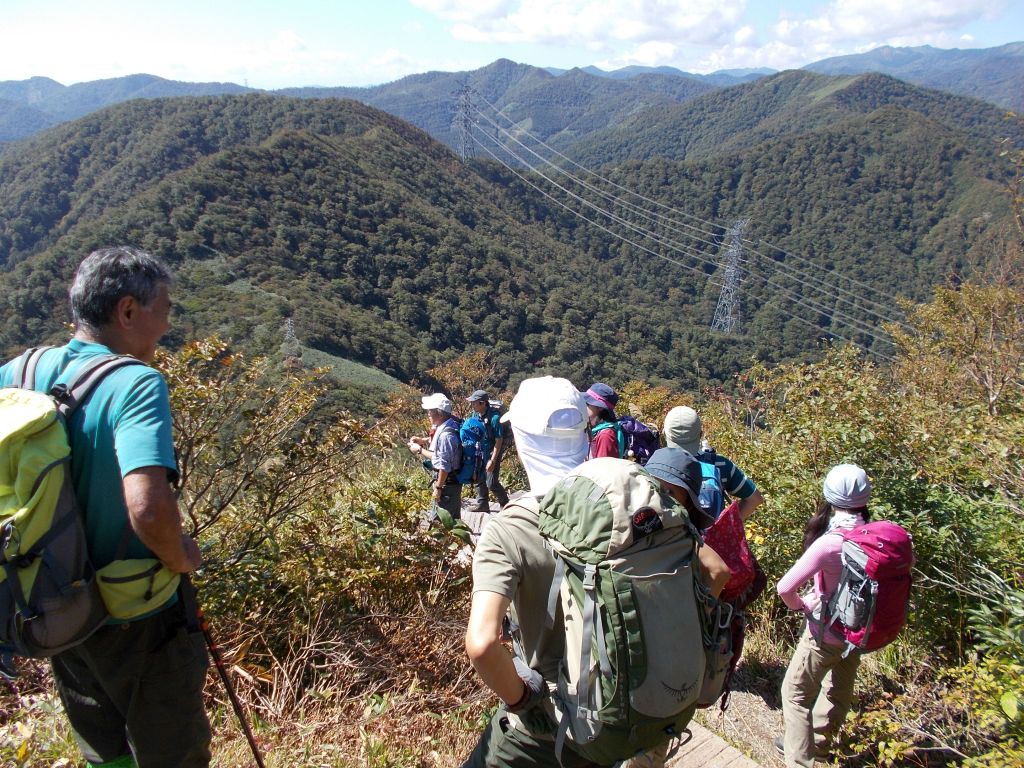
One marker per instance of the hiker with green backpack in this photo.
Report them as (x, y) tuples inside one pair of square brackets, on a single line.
[(131, 679), (591, 575)]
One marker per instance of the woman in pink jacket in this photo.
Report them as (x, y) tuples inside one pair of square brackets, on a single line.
[(818, 688)]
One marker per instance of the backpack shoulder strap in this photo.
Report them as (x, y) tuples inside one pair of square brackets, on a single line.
[(620, 436), (72, 393), (25, 370), (489, 425), (620, 439)]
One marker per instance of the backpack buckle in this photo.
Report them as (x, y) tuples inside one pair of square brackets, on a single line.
[(7, 669), (24, 560), (60, 392)]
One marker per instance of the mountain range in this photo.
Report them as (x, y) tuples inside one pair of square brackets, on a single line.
[(386, 249), (565, 105)]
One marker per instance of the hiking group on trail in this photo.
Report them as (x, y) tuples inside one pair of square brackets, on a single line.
[(608, 597)]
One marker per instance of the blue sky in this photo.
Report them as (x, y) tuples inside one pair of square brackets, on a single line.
[(274, 44)]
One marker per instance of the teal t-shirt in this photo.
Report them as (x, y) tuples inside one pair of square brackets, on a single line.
[(496, 431), (123, 425)]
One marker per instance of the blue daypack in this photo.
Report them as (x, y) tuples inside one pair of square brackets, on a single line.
[(712, 496), (473, 436)]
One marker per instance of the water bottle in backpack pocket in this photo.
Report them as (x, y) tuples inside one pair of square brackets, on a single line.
[(711, 499)]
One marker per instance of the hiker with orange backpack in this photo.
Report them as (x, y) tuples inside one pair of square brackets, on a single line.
[(133, 689), (860, 576)]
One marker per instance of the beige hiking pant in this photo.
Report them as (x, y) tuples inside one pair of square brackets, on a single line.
[(816, 695)]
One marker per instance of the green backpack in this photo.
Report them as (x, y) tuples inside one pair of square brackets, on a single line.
[(49, 594), (624, 578)]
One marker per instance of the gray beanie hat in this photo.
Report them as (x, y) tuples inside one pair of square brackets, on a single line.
[(683, 429), (847, 486)]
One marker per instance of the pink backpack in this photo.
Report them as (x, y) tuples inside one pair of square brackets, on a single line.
[(869, 606)]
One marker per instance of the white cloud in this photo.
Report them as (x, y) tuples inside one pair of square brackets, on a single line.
[(852, 26), (744, 36), (596, 24), (879, 22)]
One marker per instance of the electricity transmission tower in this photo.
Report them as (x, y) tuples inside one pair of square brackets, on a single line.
[(727, 313), (463, 123)]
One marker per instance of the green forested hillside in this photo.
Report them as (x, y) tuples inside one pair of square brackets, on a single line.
[(788, 103), (386, 250), (993, 74), (559, 108)]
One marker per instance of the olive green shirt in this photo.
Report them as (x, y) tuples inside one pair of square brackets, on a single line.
[(512, 561)]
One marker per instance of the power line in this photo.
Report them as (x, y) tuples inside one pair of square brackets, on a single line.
[(804, 277), (798, 299), (651, 252)]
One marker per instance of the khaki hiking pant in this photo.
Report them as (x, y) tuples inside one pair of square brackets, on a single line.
[(816, 695)]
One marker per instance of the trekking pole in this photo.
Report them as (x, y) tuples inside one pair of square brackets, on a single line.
[(195, 613)]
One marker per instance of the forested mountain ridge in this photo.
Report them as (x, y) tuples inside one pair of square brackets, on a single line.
[(555, 108), (40, 102), (888, 199), (354, 223), (792, 102), (385, 249), (428, 101), (993, 74)]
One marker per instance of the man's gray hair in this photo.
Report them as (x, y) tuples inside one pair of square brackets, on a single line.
[(107, 275)]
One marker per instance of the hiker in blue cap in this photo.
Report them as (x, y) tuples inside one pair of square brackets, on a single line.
[(493, 447)]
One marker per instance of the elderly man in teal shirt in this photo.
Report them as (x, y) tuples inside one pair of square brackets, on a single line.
[(133, 691)]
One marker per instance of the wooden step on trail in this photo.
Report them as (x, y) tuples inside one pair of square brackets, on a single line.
[(707, 750)]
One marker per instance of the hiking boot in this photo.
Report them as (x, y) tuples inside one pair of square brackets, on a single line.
[(819, 752), (780, 746)]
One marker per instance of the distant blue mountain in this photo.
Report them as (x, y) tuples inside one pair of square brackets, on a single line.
[(992, 74), (559, 104)]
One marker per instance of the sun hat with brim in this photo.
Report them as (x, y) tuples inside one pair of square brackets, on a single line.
[(477, 396), (437, 402), (547, 406), (602, 396), (677, 467), (847, 486), (683, 429)]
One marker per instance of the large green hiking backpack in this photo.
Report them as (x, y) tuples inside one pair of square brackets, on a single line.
[(49, 596), (624, 578)]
